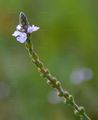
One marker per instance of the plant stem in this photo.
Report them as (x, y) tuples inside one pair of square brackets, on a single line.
[(51, 80)]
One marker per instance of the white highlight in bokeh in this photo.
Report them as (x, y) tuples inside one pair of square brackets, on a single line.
[(4, 90), (53, 98), (80, 75)]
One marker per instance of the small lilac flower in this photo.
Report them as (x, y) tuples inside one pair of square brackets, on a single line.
[(32, 28), (20, 36)]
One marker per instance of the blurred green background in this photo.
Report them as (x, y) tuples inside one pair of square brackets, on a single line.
[(67, 42)]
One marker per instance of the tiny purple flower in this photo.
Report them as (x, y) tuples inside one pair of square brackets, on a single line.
[(20, 36), (32, 28)]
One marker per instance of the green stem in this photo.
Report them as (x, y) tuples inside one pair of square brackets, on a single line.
[(51, 80)]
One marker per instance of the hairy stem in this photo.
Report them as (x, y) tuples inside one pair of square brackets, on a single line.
[(51, 80)]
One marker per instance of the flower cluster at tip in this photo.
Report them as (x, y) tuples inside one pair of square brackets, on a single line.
[(21, 34)]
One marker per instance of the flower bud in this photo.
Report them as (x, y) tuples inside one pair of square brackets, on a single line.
[(23, 20)]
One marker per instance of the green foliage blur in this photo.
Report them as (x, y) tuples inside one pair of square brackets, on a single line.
[(67, 42)]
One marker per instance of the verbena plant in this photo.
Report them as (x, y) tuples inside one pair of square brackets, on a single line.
[(23, 35)]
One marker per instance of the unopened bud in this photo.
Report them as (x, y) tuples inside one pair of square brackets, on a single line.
[(81, 109), (58, 84), (66, 94), (60, 94), (76, 112), (23, 20), (48, 82)]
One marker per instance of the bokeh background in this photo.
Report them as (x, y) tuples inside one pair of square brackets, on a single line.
[(67, 42)]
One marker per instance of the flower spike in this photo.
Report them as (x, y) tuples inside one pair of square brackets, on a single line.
[(23, 29)]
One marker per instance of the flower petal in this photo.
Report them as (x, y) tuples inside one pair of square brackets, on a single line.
[(22, 37), (32, 28), (16, 33), (18, 27)]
